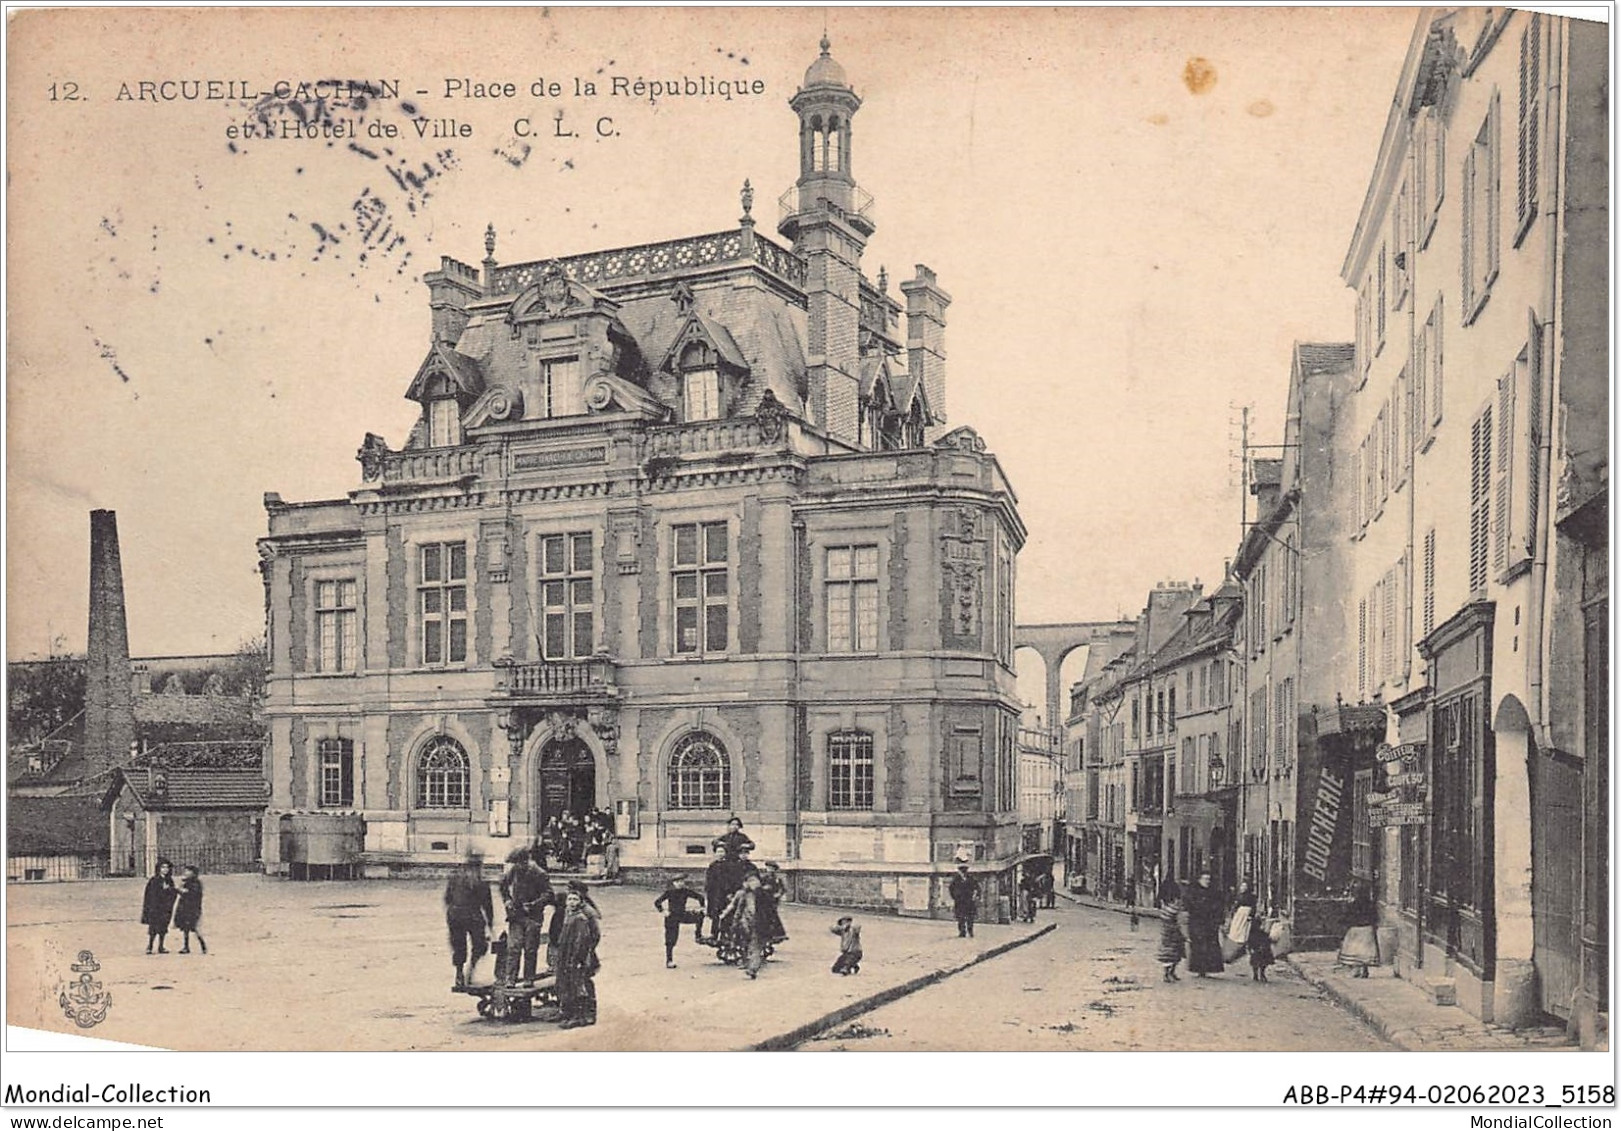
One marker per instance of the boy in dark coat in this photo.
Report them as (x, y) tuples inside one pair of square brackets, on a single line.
[(157, 905), (188, 910), (577, 962), (674, 905)]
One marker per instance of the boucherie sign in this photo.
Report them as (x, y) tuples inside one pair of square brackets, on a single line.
[(1403, 800)]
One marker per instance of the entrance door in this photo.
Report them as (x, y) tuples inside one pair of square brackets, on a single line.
[(568, 779), (1556, 872)]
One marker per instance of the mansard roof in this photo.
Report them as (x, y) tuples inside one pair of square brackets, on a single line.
[(463, 373), (753, 330)]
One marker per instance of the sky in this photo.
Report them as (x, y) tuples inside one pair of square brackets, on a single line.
[(1135, 211)]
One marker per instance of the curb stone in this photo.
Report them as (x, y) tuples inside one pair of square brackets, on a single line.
[(795, 1037), (1351, 1006)]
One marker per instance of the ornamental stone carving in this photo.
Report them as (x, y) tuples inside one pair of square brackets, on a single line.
[(372, 450), (772, 417)]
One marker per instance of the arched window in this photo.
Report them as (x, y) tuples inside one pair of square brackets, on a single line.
[(700, 774), (442, 775)]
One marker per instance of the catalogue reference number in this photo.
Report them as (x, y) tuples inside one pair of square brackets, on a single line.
[(1449, 1095)]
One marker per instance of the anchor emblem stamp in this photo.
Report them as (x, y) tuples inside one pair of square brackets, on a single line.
[(83, 1001)]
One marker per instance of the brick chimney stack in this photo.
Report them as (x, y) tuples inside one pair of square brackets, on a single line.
[(109, 706), (926, 341)]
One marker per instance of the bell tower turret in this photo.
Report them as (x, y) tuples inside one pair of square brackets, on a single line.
[(827, 217)]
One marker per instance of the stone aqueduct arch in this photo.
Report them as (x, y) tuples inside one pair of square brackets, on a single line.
[(1054, 642)]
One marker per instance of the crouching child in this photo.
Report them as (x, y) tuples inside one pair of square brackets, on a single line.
[(849, 960)]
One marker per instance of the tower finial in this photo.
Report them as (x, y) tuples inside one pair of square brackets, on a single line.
[(748, 198), (827, 44), (489, 240)]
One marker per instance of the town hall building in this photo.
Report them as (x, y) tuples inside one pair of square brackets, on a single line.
[(682, 532)]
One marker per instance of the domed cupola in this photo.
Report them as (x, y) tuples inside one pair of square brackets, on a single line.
[(825, 104)]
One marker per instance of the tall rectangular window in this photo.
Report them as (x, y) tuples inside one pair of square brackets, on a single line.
[(444, 423), (336, 615), (1529, 161), (852, 598), (1361, 831), (337, 772), (567, 574), (560, 391), (1401, 247), (702, 394), (1284, 693), (1429, 406), (1480, 216), (1432, 172), (849, 770), (1383, 307), (442, 602), (702, 583), (1258, 732)]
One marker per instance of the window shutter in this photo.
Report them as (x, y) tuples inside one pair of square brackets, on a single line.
[(1533, 436), (1530, 121), (1503, 482), (1480, 460), (1429, 581), (1362, 649)]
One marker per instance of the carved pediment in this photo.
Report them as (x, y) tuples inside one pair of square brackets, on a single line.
[(555, 295)]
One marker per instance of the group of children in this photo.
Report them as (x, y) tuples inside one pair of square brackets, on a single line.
[(674, 900), (1173, 941), (164, 904)]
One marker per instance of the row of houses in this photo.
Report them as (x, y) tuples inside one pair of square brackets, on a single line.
[(1400, 686)]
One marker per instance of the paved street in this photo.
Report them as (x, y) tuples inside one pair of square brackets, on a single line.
[(1094, 985), (364, 966)]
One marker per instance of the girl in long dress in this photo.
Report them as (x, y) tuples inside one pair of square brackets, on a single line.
[(1170, 939), (157, 905)]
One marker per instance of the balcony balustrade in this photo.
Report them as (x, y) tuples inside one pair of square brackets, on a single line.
[(557, 679)]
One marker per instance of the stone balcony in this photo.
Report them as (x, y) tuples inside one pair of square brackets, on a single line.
[(431, 465), (557, 680)]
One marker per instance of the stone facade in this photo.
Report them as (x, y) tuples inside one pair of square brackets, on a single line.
[(1481, 387), (669, 541)]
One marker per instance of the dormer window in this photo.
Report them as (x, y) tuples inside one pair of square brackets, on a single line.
[(444, 423), (700, 383), (560, 391)]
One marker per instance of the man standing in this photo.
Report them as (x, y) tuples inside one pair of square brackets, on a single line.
[(674, 905), (964, 901), (527, 889), (469, 913), (733, 842), (577, 964)]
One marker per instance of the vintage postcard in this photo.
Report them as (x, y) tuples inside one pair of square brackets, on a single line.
[(830, 529)]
